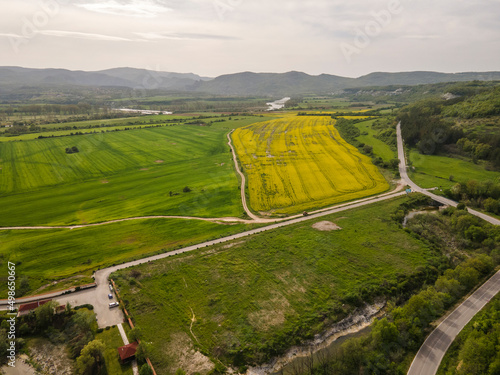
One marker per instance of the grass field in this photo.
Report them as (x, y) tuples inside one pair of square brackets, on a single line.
[(49, 255), (435, 171), (380, 148), (300, 162), (120, 174), (260, 294)]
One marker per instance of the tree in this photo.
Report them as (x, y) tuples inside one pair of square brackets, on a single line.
[(367, 149), (135, 334), (186, 189), (74, 149), (145, 370), (142, 352), (24, 286), (44, 314), (91, 359)]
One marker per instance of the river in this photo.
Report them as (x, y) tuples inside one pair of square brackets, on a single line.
[(277, 104)]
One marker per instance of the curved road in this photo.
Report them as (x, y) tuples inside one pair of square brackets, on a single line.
[(404, 176), (243, 182), (432, 351)]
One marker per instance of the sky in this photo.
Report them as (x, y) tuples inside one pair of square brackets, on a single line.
[(213, 37)]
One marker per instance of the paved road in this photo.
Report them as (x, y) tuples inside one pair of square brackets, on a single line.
[(98, 296), (404, 176), (432, 351), (434, 348)]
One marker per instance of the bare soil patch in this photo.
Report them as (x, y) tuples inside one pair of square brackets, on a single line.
[(272, 314), (184, 356), (228, 246), (53, 358), (158, 161), (325, 226), (104, 182)]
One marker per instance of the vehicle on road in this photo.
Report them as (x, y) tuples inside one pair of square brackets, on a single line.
[(111, 287), (113, 304), (110, 296)]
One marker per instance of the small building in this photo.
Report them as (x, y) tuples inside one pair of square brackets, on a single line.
[(127, 352), (26, 308)]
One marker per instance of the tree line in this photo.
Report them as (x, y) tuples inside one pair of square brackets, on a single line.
[(433, 126), (394, 340)]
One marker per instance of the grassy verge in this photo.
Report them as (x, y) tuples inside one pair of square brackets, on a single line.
[(254, 298)]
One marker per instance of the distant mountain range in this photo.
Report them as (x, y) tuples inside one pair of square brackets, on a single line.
[(241, 84)]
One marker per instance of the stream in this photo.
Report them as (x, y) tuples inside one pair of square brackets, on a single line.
[(354, 324)]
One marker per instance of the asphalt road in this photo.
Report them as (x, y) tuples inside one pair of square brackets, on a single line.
[(434, 348), (404, 176), (432, 351)]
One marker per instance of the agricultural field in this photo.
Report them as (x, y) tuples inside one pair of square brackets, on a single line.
[(45, 256), (435, 171), (300, 162), (120, 174), (115, 124), (248, 300)]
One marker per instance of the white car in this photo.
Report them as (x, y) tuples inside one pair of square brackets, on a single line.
[(111, 287), (114, 304)]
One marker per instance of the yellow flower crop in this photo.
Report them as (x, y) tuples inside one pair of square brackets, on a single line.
[(301, 162)]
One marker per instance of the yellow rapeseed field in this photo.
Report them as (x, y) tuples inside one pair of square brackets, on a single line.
[(298, 163)]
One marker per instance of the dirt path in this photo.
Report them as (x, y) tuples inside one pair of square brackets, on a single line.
[(212, 219), (243, 182)]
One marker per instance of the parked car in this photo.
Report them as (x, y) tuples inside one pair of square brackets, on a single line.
[(111, 287), (114, 304), (110, 296)]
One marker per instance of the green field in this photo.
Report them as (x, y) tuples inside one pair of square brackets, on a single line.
[(60, 133), (108, 125), (380, 148), (120, 174), (435, 171), (257, 296), (49, 255)]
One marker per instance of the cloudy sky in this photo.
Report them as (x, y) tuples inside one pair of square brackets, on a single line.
[(213, 37)]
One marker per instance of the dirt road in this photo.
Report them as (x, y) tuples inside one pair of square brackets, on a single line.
[(243, 182)]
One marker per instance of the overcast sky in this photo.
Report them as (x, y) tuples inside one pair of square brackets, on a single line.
[(213, 37)]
